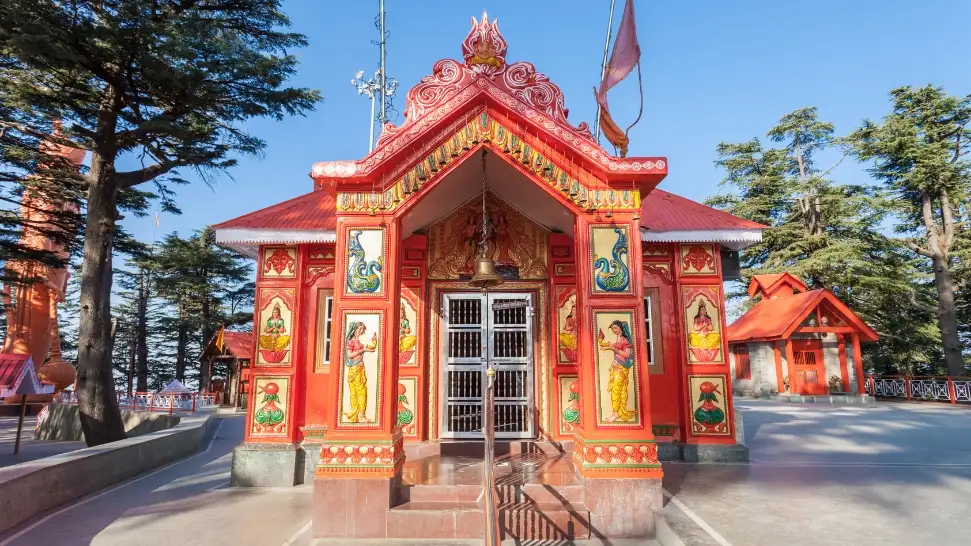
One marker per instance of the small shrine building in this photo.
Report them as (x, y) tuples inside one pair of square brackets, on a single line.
[(796, 341), (231, 361), (369, 345)]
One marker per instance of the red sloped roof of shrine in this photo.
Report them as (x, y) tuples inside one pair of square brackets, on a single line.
[(665, 211), (311, 211), (240, 344), (778, 318)]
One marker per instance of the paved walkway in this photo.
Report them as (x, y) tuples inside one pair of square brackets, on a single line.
[(30, 449), (188, 503), (821, 475), (833, 475)]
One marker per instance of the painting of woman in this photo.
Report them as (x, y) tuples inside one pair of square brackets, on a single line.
[(406, 338), (275, 337), (568, 335), (703, 340), (356, 376), (617, 382)]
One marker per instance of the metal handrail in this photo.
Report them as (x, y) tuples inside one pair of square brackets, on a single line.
[(492, 533)]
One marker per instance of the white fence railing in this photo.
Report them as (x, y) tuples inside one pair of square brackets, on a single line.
[(154, 401)]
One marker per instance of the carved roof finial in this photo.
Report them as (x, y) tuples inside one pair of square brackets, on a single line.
[(484, 49)]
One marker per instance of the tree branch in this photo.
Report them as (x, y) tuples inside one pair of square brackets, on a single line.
[(26, 129), (948, 217)]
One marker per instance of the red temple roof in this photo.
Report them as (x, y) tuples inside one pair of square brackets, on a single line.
[(665, 211), (771, 284), (778, 318), (239, 344), (17, 376)]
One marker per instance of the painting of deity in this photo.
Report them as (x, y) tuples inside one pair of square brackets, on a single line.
[(709, 415), (407, 386), (703, 324), (566, 316), (365, 262), (270, 415), (279, 263), (569, 403), (408, 328), (610, 259), (698, 260), (517, 244), (617, 392), (360, 375), (275, 327)]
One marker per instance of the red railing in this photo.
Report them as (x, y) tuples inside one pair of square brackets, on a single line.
[(153, 401), (955, 390)]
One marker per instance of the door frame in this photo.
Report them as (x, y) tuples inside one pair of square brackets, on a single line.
[(815, 346)]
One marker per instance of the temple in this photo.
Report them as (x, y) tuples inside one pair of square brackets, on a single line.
[(797, 342), (370, 347)]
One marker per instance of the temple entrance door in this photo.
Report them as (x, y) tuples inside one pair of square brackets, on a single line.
[(479, 330), (809, 366)]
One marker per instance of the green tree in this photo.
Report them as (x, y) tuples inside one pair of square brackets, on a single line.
[(168, 81), (208, 285), (920, 152), (825, 233)]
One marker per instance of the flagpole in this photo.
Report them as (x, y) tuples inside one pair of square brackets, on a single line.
[(603, 67)]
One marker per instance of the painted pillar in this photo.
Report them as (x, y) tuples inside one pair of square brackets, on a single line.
[(614, 447), (858, 364), (844, 368), (710, 417), (268, 456), (564, 318), (411, 356), (362, 453)]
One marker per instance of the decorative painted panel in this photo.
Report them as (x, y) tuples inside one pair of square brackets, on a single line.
[(408, 328), (366, 248), (324, 252), (565, 270), (569, 397), (275, 326), (317, 272), (617, 392), (279, 262), (698, 260), (709, 414), (610, 259), (517, 244), (361, 369), (566, 324), (654, 250), (270, 414), (702, 323), (407, 387), (662, 270)]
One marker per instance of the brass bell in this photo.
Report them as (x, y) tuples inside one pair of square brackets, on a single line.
[(485, 274)]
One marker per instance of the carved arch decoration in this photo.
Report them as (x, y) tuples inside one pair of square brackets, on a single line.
[(454, 85)]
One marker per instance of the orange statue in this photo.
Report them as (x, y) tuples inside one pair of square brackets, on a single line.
[(32, 313)]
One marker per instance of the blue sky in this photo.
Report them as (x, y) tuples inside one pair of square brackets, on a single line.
[(712, 72)]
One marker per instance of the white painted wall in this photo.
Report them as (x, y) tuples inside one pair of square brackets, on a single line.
[(762, 363)]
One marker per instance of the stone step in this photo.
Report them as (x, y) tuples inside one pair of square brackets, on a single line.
[(521, 521), (517, 493)]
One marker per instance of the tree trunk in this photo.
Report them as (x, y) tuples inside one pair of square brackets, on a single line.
[(97, 402), (947, 318), (207, 332), (181, 350), (141, 332)]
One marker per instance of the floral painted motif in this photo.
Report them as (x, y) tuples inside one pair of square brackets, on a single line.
[(615, 455), (709, 415), (406, 418), (611, 260), (279, 262), (571, 412), (698, 260), (270, 415)]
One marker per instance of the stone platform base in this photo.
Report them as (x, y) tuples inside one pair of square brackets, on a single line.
[(264, 465), (714, 453), (838, 399)]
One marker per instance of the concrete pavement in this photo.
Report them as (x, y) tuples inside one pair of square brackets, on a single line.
[(833, 475), (30, 449)]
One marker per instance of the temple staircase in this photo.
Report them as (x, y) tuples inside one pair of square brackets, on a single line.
[(540, 495)]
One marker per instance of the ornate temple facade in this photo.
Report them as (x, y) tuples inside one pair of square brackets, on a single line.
[(370, 348)]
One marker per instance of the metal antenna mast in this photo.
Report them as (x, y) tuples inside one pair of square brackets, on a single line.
[(384, 83), (379, 84)]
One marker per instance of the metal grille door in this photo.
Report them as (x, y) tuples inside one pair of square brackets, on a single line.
[(479, 330)]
